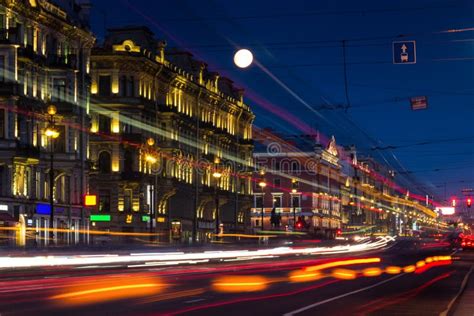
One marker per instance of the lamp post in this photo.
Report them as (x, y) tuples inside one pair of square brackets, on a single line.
[(293, 190), (216, 175), (52, 133), (152, 159), (262, 184)]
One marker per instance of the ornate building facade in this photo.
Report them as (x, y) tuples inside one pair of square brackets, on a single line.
[(324, 190), (298, 183), (170, 140), (44, 59)]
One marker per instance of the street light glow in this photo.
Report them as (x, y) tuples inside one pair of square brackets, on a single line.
[(150, 141), (243, 58), (52, 110), (150, 158), (51, 132)]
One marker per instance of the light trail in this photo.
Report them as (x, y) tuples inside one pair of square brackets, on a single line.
[(342, 263), (157, 258)]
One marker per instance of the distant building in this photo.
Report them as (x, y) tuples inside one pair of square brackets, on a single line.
[(44, 59), (303, 180), (329, 189), (162, 125)]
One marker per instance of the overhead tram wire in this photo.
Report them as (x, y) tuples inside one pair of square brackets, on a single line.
[(346, 88), (423, 143), (336, 42), (312, 110), (305, 13)]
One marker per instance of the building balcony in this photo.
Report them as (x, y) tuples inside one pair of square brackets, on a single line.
[(168, 144), (206, 126), (116, 98), (66, 107), (248, 142), (57, 61), (27, 52), (132, 175), (163, 108), (27, 151), (133, 137), (65, 156), (9, 88)]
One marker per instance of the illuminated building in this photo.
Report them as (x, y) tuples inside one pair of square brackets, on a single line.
[(140, 91), (44, 52), (326, 188), (303, 182), (372, 202)]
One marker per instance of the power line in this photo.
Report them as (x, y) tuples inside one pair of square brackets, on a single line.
[(423, 143), (434, 170), (348, 103), (304, 13)]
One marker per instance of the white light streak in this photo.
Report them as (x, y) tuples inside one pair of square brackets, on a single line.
[(178, 258)]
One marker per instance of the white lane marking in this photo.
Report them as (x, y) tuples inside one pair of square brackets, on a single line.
[(194, 301), (305, 308), (461, 290)]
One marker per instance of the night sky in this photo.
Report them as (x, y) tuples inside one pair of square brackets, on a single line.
[(300, 44)]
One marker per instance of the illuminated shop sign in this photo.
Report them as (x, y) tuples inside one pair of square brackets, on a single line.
[(100, 218), (43, 209), (90, 200)]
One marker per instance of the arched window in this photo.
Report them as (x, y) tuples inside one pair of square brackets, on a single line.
[(104, 162)]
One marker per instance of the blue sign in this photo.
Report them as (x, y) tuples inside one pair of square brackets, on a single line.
[(404, 52), (43, 209)]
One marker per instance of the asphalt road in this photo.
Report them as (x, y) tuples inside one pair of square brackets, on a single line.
[(262, 287)]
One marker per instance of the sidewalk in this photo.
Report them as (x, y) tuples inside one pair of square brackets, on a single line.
[(465, 306)]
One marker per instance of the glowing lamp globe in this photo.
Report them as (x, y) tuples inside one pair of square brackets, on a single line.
[(243, 58)]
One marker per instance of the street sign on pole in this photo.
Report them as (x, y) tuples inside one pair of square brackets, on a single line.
[(404, 52), (419, 103)]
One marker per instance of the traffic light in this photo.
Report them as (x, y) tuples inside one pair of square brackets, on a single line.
[(299, 225), (469, 202), (339, 232)]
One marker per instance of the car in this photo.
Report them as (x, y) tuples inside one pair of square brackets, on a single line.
[(467, 242)]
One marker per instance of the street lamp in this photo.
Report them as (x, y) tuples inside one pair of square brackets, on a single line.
[(216, 175), (293, 190), (52, 133), (262, 184), (152, 158)]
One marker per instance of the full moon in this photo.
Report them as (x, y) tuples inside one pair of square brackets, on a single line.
[(243, 58)]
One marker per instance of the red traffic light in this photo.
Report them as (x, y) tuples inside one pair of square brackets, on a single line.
[(90, 200), (299, 225), (339, 232), (469, 202)]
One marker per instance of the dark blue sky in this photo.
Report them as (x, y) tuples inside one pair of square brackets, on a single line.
[(300, 42)]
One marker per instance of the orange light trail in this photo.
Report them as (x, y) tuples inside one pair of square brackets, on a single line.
[(244, 235), (344, 274), (342, 263), (240, 283), (106, 289)]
